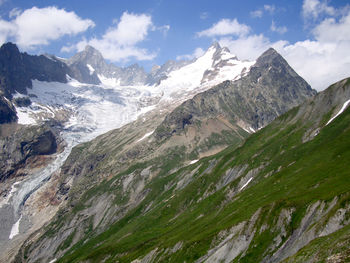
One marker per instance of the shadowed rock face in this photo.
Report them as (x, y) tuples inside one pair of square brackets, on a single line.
[(19, 149), (18, 69), (7, 111)]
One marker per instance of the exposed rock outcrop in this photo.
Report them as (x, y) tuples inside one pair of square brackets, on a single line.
[(7, 111), (27, 148)]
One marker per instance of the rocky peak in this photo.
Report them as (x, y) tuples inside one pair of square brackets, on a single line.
[(18, 69), (10, 49), (270, 56), (215, 45), (89, 55)]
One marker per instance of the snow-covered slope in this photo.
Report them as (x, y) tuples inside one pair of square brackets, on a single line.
[(214, 67), (92, 109)]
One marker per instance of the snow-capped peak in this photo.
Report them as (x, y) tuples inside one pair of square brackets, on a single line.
[(213, 67)]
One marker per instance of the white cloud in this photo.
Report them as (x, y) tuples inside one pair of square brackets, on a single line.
[(269, 8), (314, 8), (164, 29), (131, 29), (204, 15), (256, 14), (39, 26), (198, 52), (279, 29), (6, 29), (326, 59), (259, 12), (120, 41), (225, 27), (329, 30), (248, 47)]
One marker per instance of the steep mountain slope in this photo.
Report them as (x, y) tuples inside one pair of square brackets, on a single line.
[(17, 70), (261, 202), (7, 111)]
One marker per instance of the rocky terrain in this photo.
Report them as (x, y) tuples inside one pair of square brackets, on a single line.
[(26, 146)]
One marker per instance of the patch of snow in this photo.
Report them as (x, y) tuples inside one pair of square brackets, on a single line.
[(19, 95), (233, 70), (193, 161), (8, 197), (227, 55), (53, 261), (91, 69), (345, 105), (109, 81), (250, 128), (145, 136), (15, 229), (188, 77), (246, 184), (24, 117)]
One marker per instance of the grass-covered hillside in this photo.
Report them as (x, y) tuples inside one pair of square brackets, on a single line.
[(283, 196)]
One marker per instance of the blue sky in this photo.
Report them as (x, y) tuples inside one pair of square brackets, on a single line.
[(313, 35)]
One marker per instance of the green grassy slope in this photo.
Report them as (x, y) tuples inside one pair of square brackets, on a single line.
[(288, 175)]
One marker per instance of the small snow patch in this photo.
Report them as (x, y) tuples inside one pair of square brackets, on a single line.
[(91, 69), (15, 229), (53, 261), (250, 128), (345, 105), (193, 161), (246, 184), (245, 129), (24, 116), (145, 136)]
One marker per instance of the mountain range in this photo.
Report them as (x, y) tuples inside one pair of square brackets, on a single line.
[(209, 160)]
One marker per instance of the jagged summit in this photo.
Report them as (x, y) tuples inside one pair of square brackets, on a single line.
[(9, 47), (268, 56), (215, 45), (88, 55)]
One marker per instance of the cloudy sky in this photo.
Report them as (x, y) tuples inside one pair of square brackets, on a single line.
[(313, 35)]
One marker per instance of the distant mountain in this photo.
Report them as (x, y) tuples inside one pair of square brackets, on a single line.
[(89, 66)]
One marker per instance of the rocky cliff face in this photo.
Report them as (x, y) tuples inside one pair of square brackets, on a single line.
[(7, 111), (27, 147), (17, 70)]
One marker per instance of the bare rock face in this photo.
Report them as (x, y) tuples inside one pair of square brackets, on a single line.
[(26, 147), (7, 111), (18, 69)]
